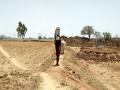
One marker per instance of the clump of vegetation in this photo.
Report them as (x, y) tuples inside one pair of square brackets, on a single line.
[(107, 36), (21, 30)]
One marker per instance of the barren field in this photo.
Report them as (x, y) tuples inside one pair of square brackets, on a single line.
[(30, 66)]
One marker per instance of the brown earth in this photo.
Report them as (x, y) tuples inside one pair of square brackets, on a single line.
[(30, 66), (102, 74), (99, 54)]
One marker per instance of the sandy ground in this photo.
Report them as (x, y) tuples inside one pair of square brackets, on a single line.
[(19, 58), (102, 75), (30, 66)]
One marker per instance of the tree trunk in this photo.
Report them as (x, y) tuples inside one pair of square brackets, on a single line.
[(89, 36)]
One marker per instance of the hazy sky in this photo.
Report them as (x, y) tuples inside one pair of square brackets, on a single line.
[(43, 16)]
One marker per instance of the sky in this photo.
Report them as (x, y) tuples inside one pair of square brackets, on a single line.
[(43, 16)]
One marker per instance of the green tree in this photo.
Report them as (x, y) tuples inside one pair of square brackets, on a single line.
[(87, 30), (107, 36), (39, 37), (21, 30)]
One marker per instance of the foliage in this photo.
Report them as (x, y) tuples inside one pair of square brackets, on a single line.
[(107, 36), (39, 37), (21, 30), (87, 30)]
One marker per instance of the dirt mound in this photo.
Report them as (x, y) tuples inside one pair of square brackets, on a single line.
[(98, 54)]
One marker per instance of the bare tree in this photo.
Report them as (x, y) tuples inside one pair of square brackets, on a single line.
[(97, 36)]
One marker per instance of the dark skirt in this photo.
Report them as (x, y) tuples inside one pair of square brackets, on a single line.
[(57, 50), (58, 47)]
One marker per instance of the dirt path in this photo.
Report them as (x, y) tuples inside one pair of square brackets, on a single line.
[(48, 83), (54, 78), (60, 74), (51, 83), (12, 60)]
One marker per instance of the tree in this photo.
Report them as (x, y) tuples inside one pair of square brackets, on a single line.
[(97, 36), (107, 36), (87, 30), (21, 30), (39, 35)]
